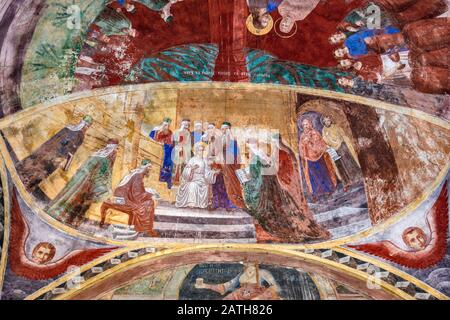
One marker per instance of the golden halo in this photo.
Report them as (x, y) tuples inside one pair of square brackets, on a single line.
[(289, 35), (254, 30)]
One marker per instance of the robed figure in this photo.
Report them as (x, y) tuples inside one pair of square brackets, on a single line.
[(90, 184), (288, 173), (194, 191), (275, 208), (53, 154), (228, 160), (163, 135), (317, 163), (112, 22), (346, 163), (182, 150), (133, 197), (251, 284)]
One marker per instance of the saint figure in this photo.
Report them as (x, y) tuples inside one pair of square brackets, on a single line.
[(347, 165), (196, 179), (163, 135), (133, 196), (53, 154), (317, 163), (90, 184), (251, 284)]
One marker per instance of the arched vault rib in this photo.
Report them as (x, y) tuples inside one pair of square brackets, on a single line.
[(146, 264)]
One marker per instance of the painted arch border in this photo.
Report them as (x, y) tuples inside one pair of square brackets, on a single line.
[(5, 156), (302, 257), (6, 167)]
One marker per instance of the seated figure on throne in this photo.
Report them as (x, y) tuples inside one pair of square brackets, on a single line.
[(131, 196), (197, 176)]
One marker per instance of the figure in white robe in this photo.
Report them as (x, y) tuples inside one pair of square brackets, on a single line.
[(196, 179)]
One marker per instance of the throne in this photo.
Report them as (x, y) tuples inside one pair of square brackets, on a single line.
[(109, 205)]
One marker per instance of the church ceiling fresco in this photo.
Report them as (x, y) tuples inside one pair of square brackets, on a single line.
[(224, 149)]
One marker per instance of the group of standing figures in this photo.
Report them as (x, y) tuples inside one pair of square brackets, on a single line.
[(411, 44), (327, 157), (206, 168)]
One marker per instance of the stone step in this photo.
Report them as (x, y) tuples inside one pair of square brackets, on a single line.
[(198, 227), (172, 222), (352, 228), (337, 213), (167, 210), (354, 201), (343, 221), (203, 220), (232, 236), (197, 240)]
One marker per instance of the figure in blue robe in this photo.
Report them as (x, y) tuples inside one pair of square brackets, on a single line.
[(356, 44), (163, 135)]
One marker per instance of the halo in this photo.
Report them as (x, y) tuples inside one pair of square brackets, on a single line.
[(289, 35), (254, 30)]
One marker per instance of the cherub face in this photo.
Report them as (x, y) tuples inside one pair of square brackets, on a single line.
[(43, 253), (415, 238), (358, 65)]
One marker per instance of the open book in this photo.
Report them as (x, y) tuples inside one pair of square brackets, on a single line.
[(333, 154), (243, 175)]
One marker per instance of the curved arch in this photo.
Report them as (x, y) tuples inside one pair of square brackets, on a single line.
[(149, 264), (78, 98)]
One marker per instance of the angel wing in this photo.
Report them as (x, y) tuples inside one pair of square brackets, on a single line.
[(23, 267), (437, 219)]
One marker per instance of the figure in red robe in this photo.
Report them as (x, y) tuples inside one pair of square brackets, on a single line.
[(131, 195)]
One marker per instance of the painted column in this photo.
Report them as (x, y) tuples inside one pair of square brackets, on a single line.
[(228, 31)]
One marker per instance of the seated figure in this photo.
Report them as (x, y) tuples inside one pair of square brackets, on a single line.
[(132, 198), (196, 179)]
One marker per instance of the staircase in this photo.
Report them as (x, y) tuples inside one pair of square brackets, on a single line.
[(343, 214), (187, 225), (197, 224)]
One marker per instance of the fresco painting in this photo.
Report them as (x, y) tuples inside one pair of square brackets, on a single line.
[(224, 150)]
